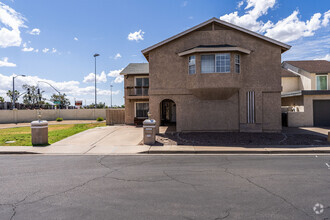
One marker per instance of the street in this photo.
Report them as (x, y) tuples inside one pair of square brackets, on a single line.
[(165, 187)]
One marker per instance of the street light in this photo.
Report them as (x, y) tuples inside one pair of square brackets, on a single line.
[(111, 94), (14, 89), (95, 55)]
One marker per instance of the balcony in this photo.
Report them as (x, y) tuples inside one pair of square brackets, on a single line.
[(137, 92)]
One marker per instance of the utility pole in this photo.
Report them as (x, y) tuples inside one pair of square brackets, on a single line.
[(95, 55)]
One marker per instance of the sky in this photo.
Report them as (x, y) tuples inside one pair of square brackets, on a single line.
[(54, 41)]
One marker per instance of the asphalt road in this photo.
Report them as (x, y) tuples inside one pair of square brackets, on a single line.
[(164, 187)]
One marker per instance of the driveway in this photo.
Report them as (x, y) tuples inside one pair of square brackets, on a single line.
[(111, 139)]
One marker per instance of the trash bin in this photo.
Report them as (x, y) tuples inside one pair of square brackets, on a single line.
[(149, 131), (39, 132)]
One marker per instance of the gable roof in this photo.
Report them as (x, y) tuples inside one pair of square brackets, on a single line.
[(284, 46), (312, 66), (287, 73), (136, 69)]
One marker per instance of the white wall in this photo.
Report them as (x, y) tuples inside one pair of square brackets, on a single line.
[(18, 116)]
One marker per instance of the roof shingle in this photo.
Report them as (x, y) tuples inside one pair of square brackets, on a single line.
[(287, 73), (312, 66), (136, 69)]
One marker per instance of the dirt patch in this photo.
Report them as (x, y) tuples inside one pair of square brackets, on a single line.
[(238, 139)]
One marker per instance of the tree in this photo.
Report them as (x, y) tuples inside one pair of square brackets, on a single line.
[(56, 98), (2, 99), (33, 98), (10, 95)]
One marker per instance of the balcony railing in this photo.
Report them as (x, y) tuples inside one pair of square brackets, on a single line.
[(138, 91)]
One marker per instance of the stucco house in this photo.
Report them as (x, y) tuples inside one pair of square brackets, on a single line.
[(215, 76), (306, 92)]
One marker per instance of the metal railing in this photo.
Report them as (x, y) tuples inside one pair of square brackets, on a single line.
[(138, 91)]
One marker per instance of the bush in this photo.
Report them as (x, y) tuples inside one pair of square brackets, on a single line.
[(59, 119), (99, 119)]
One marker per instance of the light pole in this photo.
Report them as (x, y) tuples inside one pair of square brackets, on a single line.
[(111, 95), (95, 55), (14, 95)]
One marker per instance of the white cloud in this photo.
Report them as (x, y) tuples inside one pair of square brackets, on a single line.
[(4, 63), (75, 38), (326, 18), (286, 30), (117, 56), (12, 21), (27, 49), (184, 4), (326, 57), (137, 35), (116, 74), (71, 88), (99, 78), (35, 31), (240, 4), (36, 50), (54, 50), (45, 50)]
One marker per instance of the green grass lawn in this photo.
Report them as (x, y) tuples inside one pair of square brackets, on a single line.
[(22, 135)]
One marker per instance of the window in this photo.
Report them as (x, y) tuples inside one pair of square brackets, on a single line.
[(237, 63), (192, 65), (141, 109), (218, 63), (141, 86), (250, 107), (321, 82)]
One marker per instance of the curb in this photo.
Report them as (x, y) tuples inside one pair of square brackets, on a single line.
[(17, 152), (240, 152)]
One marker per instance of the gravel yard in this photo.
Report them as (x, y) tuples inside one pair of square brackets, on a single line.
[(238, 139)]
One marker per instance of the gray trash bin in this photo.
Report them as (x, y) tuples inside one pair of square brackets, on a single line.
[(39, 132), (149, 131)]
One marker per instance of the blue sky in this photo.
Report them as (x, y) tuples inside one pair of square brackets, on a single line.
[(104, 26)]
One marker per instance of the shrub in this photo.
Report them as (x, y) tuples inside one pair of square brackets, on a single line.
[(59, 119), (99, 119)]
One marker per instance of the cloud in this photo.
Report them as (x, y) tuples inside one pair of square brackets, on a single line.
[(137, 35), (326, 57), (75, 38), (27, 49), (286, 30), (71, 88), (12, 21), (45, 50), (240, 4), (117, 56), (4, 63), (35, 31), (99, 78), (184, 4), (54, 50), (116, 74)]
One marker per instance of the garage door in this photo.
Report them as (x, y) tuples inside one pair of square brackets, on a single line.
[(321, 112)]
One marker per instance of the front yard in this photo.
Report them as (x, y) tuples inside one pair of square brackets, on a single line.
[(22, 136)]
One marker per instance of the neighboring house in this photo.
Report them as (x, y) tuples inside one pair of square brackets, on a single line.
[(215, 76), (306, 92)]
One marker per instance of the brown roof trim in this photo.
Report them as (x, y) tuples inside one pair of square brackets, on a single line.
[(214, 49), (288, 73), (283, 45)]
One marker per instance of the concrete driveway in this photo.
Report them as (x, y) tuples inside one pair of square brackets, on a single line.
[(111, 139)]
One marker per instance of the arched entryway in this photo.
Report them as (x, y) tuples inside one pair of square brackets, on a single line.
[(168, 113)]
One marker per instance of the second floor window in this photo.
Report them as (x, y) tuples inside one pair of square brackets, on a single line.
[(215, 63), (237, 63), (321, 82), (141, 86), (192, 65)]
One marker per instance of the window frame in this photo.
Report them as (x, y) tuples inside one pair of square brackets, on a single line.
[(251, 107), (135, 85), (135, 108), (237, 63), (316, 76), (215, 63), (189, 65)]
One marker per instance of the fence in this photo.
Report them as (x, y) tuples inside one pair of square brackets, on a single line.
[(115, 116), (19, 116)]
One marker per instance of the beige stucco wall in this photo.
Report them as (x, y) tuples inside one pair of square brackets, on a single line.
[(313, 81), (18, 116), (290, 84), (297, 119), (260, 72)]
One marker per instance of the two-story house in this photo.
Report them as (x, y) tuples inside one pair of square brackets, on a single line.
[(306, 92), (215, 76)]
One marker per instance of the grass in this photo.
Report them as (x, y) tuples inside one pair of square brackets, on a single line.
[(22, 135)]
